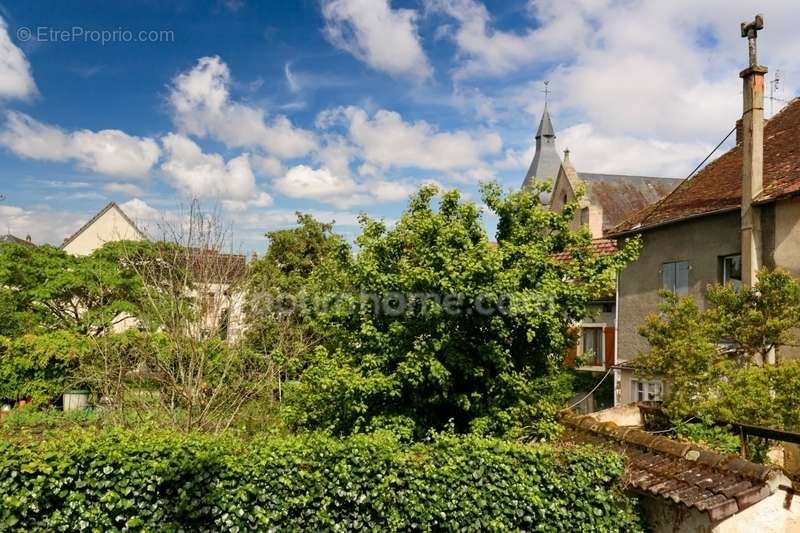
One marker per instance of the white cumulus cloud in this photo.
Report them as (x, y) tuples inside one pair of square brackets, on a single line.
[(323, 185), (386, 39), (320, 184), (626, 154), (43, 223), (202, 106), (141, 211), (110, 152), (486, 51), (16, 80), (208, 176), (386, 140)]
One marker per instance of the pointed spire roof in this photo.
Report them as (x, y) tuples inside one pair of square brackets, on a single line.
[(546, 161), (545, 125)]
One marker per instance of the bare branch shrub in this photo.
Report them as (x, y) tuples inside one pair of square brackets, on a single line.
[(185, 365)]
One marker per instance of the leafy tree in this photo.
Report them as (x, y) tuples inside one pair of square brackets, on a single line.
[(45, 289), (293, 254), (40, 366), (278, 284), (713, 359), (436, 326)]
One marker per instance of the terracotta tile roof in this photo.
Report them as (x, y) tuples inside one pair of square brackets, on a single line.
[(718, 186), (215, 267), (600, 246), (686, 474)]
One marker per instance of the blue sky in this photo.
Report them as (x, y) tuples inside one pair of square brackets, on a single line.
[(338, 107)]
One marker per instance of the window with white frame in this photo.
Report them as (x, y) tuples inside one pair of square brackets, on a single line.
[(593, 343), (732, 270), (675, 277), (646, 391)]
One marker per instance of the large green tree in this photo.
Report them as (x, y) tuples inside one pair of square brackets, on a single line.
[(44, 289), (293, 254), (715, 358), (436, 326), (279, 283)]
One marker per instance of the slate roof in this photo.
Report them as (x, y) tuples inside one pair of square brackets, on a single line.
[(546, 161), (12, 239), (601, 246), (718, 187), (545, 125), (622, 196), (110, 205), (686, 474)]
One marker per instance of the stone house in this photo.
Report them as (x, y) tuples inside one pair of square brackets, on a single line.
[(606, 201), (737, 215)]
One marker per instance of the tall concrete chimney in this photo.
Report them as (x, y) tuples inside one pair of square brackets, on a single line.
[(752, 154)]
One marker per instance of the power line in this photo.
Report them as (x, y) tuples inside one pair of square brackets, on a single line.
[(710, 154), (594, 389)]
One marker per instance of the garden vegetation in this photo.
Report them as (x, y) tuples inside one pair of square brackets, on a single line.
[(395, 384)]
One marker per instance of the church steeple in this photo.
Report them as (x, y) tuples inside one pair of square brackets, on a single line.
[(545, 125), (546, 161)]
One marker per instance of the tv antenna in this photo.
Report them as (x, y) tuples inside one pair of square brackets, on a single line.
[(775, 85)]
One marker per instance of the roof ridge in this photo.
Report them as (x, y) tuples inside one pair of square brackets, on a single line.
[(94, 219), (616, 175), (718, 183), (682, 450)]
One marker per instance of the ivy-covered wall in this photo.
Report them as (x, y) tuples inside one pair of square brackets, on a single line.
[(166, 481)]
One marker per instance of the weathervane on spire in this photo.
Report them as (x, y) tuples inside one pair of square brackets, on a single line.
[(546, 90)]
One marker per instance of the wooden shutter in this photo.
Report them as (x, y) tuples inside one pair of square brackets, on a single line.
[(609, 346), (572, 351)]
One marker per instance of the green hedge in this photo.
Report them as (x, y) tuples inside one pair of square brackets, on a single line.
[(40, 366), (164, 481)]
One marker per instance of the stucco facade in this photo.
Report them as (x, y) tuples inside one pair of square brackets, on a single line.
[(111, 224), (702, 242), (589, 215), (785, 237)]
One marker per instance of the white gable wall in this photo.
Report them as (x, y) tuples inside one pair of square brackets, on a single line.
[(109, 227)]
